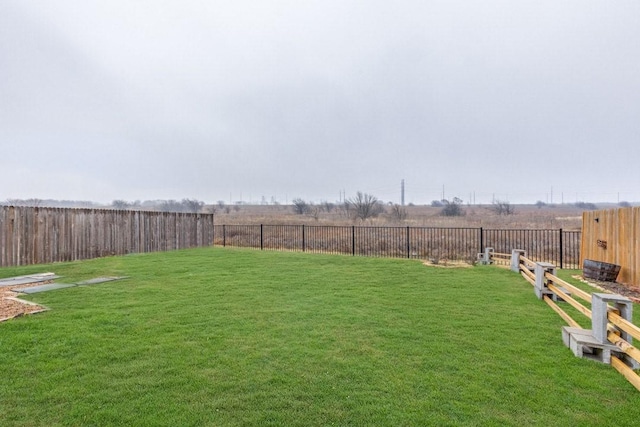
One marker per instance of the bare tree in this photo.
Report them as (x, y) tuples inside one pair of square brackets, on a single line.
[(365, 206), (192, 205), (502, 207), (300, 206), (586, 206), (35, 203), (170, 206), (314, 212), (398, 212), (328, 206), (120, 204), (344, 209)]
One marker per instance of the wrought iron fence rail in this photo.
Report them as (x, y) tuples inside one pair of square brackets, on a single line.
[(557, 246)]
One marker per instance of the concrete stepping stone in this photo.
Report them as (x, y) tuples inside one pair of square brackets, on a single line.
[(98, 280), (25, 280), (44, 288)]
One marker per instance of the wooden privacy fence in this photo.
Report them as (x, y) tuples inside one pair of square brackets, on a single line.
[(31, 235), (610, 339), (613, 236), (439, 243)]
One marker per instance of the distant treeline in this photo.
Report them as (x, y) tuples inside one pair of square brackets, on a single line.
[(184, 205)]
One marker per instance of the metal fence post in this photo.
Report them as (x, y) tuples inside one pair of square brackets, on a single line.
[(353, 240), (539, 244), (408, 244), (561, 250)]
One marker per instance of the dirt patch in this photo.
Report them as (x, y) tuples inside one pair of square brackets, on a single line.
[(631, 292), (447, 264), (11, 306)]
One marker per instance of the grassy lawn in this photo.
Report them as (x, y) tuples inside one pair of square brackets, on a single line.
[(242, 337)]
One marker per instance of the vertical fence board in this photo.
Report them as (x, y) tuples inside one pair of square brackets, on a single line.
[(612, 236), (30, 235)]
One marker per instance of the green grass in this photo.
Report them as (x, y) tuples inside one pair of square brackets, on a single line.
[(241, 337)]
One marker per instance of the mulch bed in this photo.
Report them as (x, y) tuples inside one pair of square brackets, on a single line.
[(11, 308), (631, 292)]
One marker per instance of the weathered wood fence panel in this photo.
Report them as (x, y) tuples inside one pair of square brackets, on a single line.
[(31, 235), (613, 236)]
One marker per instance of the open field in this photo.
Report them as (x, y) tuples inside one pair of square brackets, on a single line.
[(568, 217), (218, 336)]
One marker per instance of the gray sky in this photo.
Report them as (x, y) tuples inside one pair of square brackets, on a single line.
[(149, 99)]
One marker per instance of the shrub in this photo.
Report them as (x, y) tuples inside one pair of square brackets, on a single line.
[(502, 207), (452, 208)]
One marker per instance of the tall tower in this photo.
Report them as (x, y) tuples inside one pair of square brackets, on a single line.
[(402, 192)]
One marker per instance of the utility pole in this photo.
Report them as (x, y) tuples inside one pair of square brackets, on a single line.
[(402, 192)]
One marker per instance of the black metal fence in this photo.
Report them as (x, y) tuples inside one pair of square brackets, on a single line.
[(558, 247)]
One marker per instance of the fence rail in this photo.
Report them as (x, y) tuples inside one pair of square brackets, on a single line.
[(437, 243), (610, 339), (31, 235)]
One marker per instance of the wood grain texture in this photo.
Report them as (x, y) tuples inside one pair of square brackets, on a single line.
[(31, 235), (613, 236)]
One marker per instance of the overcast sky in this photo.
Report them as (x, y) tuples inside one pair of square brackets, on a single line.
[(239, 100)]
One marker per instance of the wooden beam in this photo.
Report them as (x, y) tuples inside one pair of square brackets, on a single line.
[(575, 304), (628, 373), (561, 312), (526, 261), (501, 255), (624, 324), (577, 291), (528, 279), (624, 345), (528, 273)]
